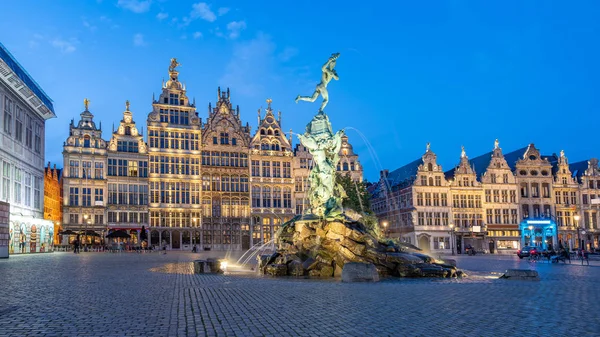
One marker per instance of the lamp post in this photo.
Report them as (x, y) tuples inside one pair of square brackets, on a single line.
[(452, 237), (85, 222), (531, 243), (193, 231), (576, 218), (385, 228)]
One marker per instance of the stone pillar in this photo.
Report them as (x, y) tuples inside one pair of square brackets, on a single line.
[(181, 240), (251, 224), (201, 240), (159, 239), (262, 230)]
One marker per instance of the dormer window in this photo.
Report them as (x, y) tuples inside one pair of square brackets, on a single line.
[(224, 138), (86, 141), (262, 132), (269, 132), (128, 130), (174, 99)]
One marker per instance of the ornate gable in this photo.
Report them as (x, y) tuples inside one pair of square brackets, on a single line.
[(497, 165), (127, 132), (592, 169), (224, 123), (429, 161), (269, 136)]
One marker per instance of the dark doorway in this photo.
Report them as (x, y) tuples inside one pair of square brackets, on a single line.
[(245, 242)]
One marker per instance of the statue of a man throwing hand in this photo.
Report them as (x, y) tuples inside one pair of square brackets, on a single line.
[(329, 73)]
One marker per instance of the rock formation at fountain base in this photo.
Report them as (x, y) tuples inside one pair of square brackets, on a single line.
[(320, 248)]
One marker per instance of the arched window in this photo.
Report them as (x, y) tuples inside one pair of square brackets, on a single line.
[(266, 196), (430, 167), (270, 132), (262, 132), (128, 130), (345, 166), (276, 132), (430, 181)]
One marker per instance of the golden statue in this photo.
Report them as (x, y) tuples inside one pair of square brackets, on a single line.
[(127, 105), (86, 103), (174, 64)]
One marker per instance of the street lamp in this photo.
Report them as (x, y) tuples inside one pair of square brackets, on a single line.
[(85, 216), (531, 243), (576, 217), (452, 237), (385, 228), (193, 231)]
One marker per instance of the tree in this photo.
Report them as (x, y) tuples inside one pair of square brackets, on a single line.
[(358, 198)]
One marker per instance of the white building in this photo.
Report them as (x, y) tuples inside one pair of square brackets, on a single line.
[(25, 108)]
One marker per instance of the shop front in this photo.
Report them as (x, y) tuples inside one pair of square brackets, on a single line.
[(541, 233), (30, 235)]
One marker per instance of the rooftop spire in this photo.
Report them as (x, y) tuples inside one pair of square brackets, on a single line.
[(269, 103)]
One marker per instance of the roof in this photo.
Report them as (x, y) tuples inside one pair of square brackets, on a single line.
[(578, 169), (481, 163), (18, 69)]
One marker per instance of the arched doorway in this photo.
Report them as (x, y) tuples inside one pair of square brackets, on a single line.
[(154, 238), (176, 242), (424, 243), (166, 238)]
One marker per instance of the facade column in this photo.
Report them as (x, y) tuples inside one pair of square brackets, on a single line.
[(170, 239), (181, 240), (262, 230), (159, 239), (272, 224), (201, 238), (251, 224)]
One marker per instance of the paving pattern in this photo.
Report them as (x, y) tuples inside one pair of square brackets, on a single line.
[(129, 294)]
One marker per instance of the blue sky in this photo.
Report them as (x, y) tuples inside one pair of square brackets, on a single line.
[(450, 73)]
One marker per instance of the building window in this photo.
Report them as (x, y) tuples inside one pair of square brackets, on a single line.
[(132, 168), (224, 138), (87, 197), (18, 179), (505, 178), (38, 137), (266, 172), (287, 197), (27, 189), (28, 131), (8, 107), (73, 168), (74, 196), (287, 170), (19, 125), (98, 170), (99, 195), (6, 168), (87, 169), (266, 196)]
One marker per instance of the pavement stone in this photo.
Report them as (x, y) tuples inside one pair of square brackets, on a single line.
[(129, 294)]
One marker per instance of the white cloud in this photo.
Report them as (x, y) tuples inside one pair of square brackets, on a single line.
[(88, 25), (138, 40), (64, 46), (161, 16), (136, 6), (287, 54), (222, 11), (252, 67), (197, 35), (235, 27), (202, 10)]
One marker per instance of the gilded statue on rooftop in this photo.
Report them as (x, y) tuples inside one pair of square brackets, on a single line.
[(329, 73), (174, 64)]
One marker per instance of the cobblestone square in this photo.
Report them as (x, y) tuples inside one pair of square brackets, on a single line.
[(129, 294)]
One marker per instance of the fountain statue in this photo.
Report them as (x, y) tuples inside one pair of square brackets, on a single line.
[(325, 195), (328, 240)]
